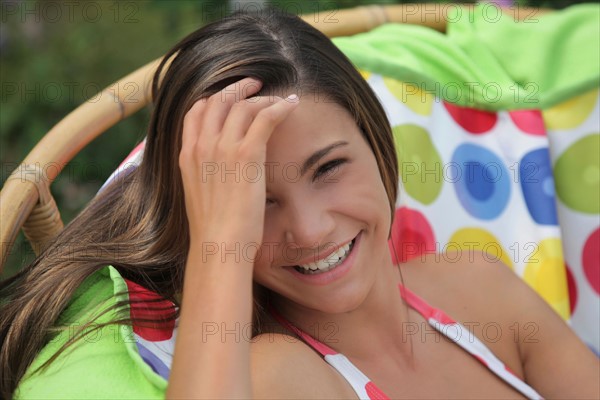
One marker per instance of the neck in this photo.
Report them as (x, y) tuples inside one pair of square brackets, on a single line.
[(381, 317)]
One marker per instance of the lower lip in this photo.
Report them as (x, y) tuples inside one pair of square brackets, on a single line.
[(328, 277)]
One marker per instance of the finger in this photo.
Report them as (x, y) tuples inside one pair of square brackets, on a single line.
[(191, 124), (267, 119), (203, 120), (241, 116), (219, 104)]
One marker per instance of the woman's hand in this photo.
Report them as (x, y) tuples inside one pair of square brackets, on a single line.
[(224, 147), (222, 162)]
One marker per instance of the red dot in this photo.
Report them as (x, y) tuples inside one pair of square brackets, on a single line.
[(529, 121), (591, 260), (472, 120), (411, 235), (572, 289), (152, 315)]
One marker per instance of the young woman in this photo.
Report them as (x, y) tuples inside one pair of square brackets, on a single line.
[(269, 173)]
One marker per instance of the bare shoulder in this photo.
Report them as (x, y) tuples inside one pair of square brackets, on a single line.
[(529, 336), (468, 283), (477, 288), (449, 264), (284, 367)]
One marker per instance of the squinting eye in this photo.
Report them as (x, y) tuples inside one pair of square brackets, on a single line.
[(328, 168)]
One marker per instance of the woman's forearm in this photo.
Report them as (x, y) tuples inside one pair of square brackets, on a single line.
[(225, 213), (212, 351)]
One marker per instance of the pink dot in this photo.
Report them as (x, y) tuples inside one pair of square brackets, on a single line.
[(472, 120), (591, 260), (572, 289), (411, 235), (529, 121)]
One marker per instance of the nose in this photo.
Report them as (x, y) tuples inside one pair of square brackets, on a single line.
[(308, 224)]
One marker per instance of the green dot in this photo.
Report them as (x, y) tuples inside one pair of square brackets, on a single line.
[(420, 163), (592, 174), (576, 175)]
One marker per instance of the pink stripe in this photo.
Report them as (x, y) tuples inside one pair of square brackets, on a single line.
[(479, 358), (511, 371), (423, 308), (374, 392), (133, 153), (312, 342)]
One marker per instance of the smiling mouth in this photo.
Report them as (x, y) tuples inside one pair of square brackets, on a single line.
[(328, 263)]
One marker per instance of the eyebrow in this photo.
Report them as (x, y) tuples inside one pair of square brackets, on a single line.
[(317, 155)]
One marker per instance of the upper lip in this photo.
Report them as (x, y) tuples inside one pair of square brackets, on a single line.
[(311, 259)]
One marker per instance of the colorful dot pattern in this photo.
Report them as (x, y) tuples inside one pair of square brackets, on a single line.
[(574, 144), (522, 186)]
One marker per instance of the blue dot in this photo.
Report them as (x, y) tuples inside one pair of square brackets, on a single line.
[(548, 187), (537, 183), (478, 185), (482, 184)]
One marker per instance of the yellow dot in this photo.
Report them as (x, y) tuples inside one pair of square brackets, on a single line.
[(477, 239), (545, 273), (365, 74), (571, 113), (412, 96)]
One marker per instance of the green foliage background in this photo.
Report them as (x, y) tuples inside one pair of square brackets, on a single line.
[(55, 55)]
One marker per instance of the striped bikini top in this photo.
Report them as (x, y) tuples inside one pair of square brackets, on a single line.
[(156, 344), (365, 389)]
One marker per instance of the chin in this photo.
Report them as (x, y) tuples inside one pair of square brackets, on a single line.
[(342, 301)]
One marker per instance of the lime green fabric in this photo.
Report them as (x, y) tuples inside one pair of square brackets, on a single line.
[(104, 364), (488, 60)]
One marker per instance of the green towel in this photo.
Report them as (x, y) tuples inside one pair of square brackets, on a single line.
[(489, 61), (103, 365)]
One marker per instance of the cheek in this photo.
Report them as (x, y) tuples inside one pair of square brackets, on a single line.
[(369, 204), (264, 258), (368, 194)]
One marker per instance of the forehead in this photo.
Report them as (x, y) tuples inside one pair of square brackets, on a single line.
[(314, 124)]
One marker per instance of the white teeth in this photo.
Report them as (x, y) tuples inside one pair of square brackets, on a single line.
[(332, 260)]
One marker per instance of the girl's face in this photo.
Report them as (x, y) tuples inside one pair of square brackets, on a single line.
[(327, 213)]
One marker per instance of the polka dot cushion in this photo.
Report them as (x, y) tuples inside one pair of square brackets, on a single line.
[(474, 180)]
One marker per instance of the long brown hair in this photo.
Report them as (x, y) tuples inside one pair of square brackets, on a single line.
[(138, 224)]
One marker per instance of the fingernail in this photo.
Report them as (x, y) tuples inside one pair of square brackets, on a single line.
[(292, 98)]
